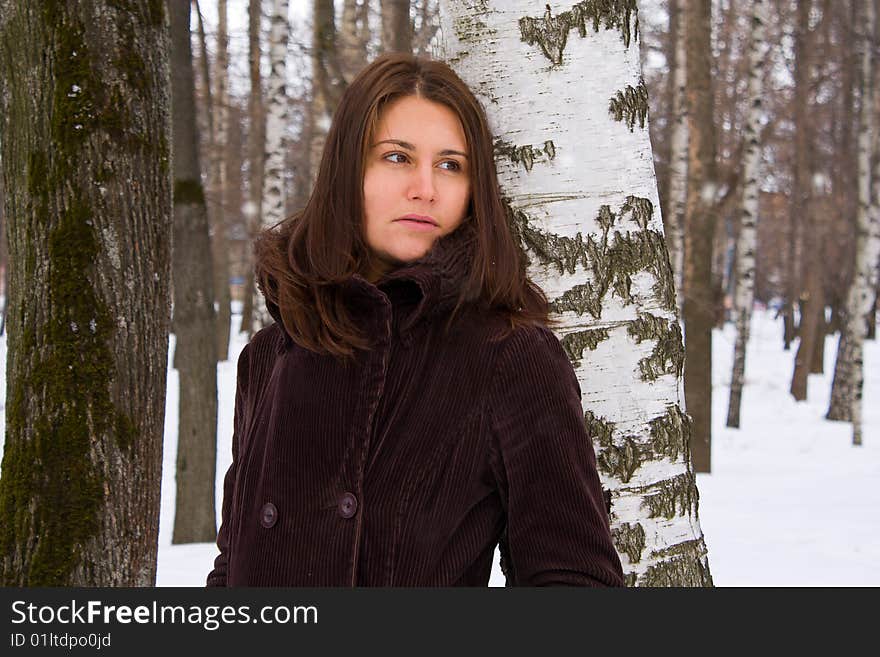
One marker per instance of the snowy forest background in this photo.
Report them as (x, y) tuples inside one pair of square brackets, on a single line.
[(764, 153)]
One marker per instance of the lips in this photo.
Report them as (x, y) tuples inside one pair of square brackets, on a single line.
[(418, 218)]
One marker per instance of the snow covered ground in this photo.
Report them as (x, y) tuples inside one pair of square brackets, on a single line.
[(789, 502)]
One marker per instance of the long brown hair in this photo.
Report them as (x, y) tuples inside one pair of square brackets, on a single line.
[(302, 261)]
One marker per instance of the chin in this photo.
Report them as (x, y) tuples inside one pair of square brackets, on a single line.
[(412, 251)]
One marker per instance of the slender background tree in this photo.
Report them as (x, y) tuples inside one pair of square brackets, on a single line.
[(194, 316), (699, 231)]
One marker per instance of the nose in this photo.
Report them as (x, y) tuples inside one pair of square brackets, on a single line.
[(421, 183)]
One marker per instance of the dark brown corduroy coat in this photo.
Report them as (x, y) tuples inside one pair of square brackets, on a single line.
[(409, 466)]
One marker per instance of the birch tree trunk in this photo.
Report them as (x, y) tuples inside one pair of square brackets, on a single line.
[(574, 161), (699, 297), (747, 241), (256, 148), (194, 316), (276, 141), (678, 159), (396, 26), (84, 115), (842, 386), (849, 371)]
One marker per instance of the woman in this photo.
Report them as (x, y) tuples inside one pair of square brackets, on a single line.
[(409, 408)]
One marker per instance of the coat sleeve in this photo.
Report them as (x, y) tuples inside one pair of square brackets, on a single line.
[(217, 577), (557, 526)]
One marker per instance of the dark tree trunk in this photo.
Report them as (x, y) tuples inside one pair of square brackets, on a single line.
[(194, 316), (217, 114), (84, 107), (328, 82), (396, 26), (801, 211), (699, 300), (256, 151)]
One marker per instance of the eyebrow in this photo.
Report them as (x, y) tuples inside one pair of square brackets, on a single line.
[(410, 147)]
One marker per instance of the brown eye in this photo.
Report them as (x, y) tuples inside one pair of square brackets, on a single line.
[(395, 154), (455, 165)]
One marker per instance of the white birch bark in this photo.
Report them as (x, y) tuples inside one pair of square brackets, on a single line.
[(860, 299), (843, 384), (567, 105), (678, 163), (276, 126), (748, 235)]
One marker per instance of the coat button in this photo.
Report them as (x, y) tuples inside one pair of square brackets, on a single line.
[(268, 515), (348, 505)]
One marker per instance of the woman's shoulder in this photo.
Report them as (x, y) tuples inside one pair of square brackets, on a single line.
[(259, 354), (533, 352), (533, 341)]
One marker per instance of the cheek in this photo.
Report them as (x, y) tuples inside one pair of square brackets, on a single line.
[(460, 197), (373, 196)]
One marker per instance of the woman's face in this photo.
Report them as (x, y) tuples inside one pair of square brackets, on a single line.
[(416, 181)]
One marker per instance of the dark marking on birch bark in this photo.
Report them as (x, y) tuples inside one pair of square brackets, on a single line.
[(580, 299), (615, 457), (613, 258), (574, 343), (630, 105), (670, 434), (686, 567), (599, 429), (621, 459), (525, 155), (551, 32), (629, 540), (671, 497), (667, 356)]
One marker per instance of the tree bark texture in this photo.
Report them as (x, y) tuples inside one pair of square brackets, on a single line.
[(217, 125), (327, 80), (699, 301), (574, 161), (801, 211), (84, 106), (396, 26), (256, 147), (842, 386), (218, 180), (276, 141), (353, 39), (747, 240), (194, 316), (849, 372), (678, 159)]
